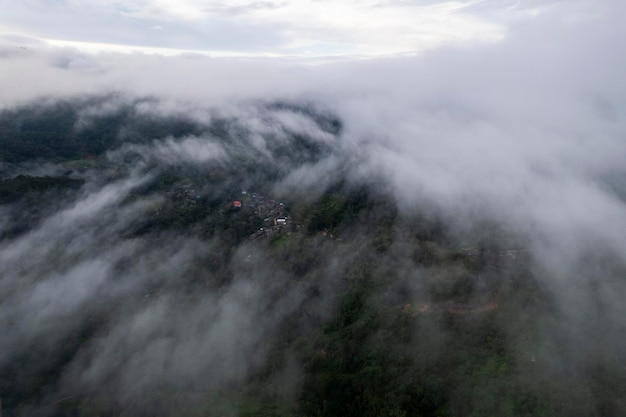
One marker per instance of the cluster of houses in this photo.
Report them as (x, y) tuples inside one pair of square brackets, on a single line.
[(274, 213)]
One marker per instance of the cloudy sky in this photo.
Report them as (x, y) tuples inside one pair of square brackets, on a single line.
[(303, 28)]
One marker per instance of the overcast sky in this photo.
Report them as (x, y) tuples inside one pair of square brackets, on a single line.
[(274, 27)]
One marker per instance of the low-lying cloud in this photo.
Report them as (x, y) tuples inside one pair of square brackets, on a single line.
[(526, 133)]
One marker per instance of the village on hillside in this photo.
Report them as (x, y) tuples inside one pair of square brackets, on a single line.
[(274, 213)]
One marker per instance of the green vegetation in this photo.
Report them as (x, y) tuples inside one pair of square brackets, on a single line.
[(28, 187), (59, 131), (393, 315)]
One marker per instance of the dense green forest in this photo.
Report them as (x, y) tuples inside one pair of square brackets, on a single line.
[(161, 265)]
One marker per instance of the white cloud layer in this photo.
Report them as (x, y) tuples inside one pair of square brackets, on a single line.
[(302, 28)]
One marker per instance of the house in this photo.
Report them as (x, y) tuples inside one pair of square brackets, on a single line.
[(237, 204)]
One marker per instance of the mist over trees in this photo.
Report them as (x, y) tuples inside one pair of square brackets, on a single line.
[(433, 235), (133, 285)]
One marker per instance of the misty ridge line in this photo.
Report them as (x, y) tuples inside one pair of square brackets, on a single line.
[(206, 149), (187, 146), (96, 274)]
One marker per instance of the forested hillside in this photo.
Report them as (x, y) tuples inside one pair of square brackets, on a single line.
[(246, 263)]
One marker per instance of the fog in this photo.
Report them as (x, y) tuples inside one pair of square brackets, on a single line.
[(526, 133)]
